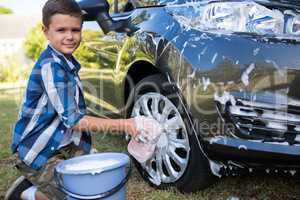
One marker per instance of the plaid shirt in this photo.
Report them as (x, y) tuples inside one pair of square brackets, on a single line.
[(53, 102)]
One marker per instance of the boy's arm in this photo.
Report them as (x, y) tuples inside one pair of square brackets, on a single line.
[(96, 124)]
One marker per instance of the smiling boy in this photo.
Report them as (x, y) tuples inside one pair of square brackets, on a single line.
[(52, 124)]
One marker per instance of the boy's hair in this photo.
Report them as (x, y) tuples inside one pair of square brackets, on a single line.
[(66, 7)]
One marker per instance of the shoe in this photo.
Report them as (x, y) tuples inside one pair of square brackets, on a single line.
[(16, 189)]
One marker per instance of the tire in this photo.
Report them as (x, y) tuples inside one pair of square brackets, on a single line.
[(178, 158)]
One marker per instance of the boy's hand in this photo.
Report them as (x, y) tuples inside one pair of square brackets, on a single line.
[(145, 128), (131, 128)]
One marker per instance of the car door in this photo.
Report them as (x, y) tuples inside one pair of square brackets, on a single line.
[(102, 73)]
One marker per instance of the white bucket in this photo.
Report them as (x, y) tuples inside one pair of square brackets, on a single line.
[(94, 176)]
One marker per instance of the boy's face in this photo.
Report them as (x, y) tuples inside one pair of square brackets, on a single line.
[(64, 33)]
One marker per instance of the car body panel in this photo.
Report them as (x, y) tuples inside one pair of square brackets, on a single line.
[(217, 74)]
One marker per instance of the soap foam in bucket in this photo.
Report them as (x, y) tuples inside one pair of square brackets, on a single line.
[(94, 175), (94, 166)]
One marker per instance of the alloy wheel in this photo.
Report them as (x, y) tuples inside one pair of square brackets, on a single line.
[(171, 155)]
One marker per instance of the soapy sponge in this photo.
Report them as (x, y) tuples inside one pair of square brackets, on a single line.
[(143, 146)]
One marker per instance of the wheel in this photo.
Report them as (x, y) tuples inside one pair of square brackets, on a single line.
[(178, 160)]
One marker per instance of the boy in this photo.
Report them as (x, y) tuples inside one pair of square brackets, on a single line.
[(52, 124)]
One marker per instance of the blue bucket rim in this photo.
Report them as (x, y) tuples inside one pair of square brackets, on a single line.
[(123, 159)]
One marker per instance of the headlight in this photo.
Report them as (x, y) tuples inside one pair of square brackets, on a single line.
[(292, 23), (246, 16)]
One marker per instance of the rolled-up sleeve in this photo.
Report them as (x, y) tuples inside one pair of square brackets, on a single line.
[(61, 93)]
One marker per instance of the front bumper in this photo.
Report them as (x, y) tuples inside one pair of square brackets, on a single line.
[(253, 153)]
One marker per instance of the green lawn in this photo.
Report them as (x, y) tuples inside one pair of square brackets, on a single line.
[(254, 187)]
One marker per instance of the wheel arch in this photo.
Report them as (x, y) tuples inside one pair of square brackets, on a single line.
[(136, 73)]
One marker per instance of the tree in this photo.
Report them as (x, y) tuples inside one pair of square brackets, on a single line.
[(35, 42), (4, 10)]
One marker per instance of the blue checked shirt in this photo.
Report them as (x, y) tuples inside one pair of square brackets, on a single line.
[(53, 102)]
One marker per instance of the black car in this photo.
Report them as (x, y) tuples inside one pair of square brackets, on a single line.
[(220, 76)]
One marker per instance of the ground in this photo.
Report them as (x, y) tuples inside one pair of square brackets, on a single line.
[(252, 187)]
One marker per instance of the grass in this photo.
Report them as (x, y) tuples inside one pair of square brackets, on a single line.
[(252, 187)]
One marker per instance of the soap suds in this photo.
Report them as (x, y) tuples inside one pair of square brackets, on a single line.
[(90, 165), (245, 75)]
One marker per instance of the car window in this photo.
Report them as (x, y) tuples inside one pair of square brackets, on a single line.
[(145, 3), (129, 5)]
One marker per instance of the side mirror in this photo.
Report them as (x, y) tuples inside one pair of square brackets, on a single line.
[(98, 10)]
